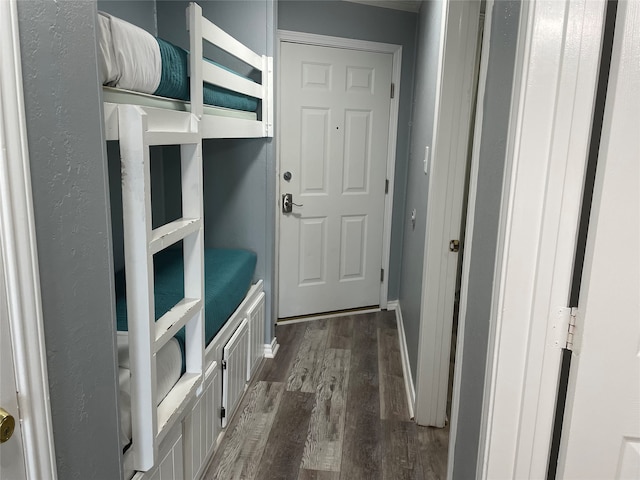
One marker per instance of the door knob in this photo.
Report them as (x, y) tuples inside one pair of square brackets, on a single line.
[(287, 203), (7, 425), (454, 245)]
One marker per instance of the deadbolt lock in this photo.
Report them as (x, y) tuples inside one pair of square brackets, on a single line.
[(7, 425), (454, 245)]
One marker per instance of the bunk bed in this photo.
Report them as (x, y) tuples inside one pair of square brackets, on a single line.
[(190, 324)]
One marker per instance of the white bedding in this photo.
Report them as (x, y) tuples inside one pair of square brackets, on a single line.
[(130, 55), (168, 369)]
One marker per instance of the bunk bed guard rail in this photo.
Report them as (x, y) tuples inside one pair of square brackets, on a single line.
[(201, 29)]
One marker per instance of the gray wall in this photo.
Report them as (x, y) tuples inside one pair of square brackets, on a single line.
[(350, 20), (69, 178), (424, 97), (139, 12), (239, 175), (496, 105)]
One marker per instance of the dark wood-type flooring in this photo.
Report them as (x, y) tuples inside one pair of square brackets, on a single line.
[(330, 406)]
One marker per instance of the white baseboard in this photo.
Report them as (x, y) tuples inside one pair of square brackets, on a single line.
[(404, 354), (271, 349)]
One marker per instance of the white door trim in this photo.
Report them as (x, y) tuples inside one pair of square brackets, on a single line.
[(468, 242), (19, 251), (350, 44), (449, 158), (552, 106)]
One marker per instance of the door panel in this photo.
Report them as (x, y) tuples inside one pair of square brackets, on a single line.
[(601, 429), (12, 464), (334, 142)]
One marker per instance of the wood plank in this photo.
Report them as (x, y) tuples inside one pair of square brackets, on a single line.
[(318, 475), (400, 458), (289, 338), (433, 448), (362, 434), (323, 447), (393, 397), (305, 373), (283, 454), (247, 435), (340, 332), (386, 319)]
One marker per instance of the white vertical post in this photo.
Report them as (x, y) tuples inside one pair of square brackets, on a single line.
[(136, 202), (193, 245), (194, 22)]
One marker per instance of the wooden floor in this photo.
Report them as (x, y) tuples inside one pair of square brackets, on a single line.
[(330, 406)]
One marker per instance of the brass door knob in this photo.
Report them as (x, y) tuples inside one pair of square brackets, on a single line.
[(7, 425), (454, 245)]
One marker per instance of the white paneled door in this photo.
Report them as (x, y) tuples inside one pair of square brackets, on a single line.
[(601, 430), (335, 107)]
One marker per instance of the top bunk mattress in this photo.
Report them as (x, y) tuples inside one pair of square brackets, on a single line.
[(132, 59), (227, 278)]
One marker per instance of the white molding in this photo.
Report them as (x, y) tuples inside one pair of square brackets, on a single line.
[(271, 349), (311, 318), (19, 249), (468, 245), (367, 46), (405, 5), (552, 109), (453, 111), (404, 355)]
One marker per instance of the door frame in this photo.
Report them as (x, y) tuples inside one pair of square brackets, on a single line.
[(460, 24), (554, 88), (287, 36), (19, 251)]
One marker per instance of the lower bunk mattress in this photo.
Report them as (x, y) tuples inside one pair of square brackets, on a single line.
[(228, 274)]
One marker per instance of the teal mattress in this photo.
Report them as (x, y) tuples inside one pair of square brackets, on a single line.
[(174, 81), (227, 277)]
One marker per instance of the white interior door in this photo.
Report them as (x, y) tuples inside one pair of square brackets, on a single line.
[(601, 430), (12, 464), (334, 138)]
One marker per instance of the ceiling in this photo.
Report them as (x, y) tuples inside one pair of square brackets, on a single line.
[(407, 5)]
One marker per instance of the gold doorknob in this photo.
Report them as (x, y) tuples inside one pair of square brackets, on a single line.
[(7, 425)]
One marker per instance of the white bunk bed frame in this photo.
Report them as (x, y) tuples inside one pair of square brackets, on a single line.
[(158, 427)]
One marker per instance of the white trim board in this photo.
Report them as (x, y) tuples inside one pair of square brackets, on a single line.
[(19, 250), (363, 45), (271, 349), (404, 356), (552, 107)]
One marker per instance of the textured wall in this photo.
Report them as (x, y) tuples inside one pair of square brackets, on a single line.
[(69, 178), (482, 252), (424, 97), (362, 22)]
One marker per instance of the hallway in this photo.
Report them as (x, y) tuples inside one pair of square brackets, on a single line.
[(331, 405)]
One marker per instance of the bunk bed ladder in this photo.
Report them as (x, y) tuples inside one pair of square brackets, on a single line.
[(151, 420)]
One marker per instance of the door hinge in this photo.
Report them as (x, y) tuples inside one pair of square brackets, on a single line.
[(393, 90), (571, 328), (224, 364), (386, 186), (223, 412), (382, 274), (565, 327)]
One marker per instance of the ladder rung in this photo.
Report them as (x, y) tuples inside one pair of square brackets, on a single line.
[(172, 232), (174, 403), (176, 318), (171, 138)]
